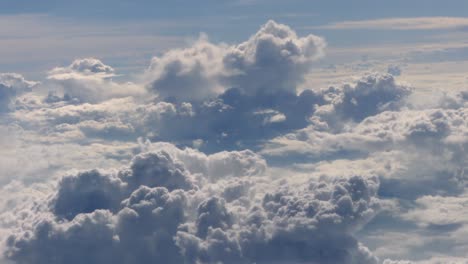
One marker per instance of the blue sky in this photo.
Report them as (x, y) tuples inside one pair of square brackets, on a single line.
[(40, 28)]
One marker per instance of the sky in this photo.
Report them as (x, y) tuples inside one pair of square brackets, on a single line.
[(244, 131)]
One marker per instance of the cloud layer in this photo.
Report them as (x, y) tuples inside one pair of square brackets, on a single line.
[(224, 153), (403, 23)]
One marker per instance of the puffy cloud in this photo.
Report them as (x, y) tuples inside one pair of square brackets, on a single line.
[(86, 67), (87, 192), (454, 100), (115, 119), (342, 155), (252, 119), (370, 95), (273, 59), (270, 114), (157, 169), (439, 211), (394, 70), (220, 165), (233, 120), (314, 224), (432, 131), (89, 80), (420, 157), (187, 74), (109, 129), (151, 211), (11, 86)]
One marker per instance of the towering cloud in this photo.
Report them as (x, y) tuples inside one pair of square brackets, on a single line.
[(273, 59), (156, 209)]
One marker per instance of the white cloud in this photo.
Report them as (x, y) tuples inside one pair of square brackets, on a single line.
[(402, 23), (156, 209), (274, 58), (277, 175), (90, 80), (11, 86), (439, 211)]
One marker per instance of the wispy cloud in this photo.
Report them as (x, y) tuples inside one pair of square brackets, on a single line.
[(400, 23)]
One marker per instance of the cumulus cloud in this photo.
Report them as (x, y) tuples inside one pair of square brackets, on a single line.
[(273, 59), (225, 164), (419, 155), (156, 209), (394, 70), (86, 67), (233, 120), (439, 211), (187, 73), (289, 226), (454, 100), (89, 80), (12, 85), (432, 131), (248, 164), (370, 95), (426, 148)]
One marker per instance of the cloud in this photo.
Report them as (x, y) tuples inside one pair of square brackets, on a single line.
[(11, 86), (90, 80), (206, 122), (433, 260), (422, 159), (87, 192), (402, 23), (187, 73), (394, 70), (371, 94), (428, 130), (454, 100), (439, 211), (233, 120), (225, 164), (156, 209), (86, 67), (301, 227), (273, 59), (248, 164)]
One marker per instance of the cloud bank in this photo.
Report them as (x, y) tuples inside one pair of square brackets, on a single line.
[(215, 155), (159, 209)]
